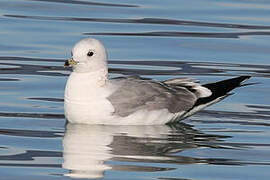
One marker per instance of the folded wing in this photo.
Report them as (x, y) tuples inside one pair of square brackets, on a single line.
[(175, 95)]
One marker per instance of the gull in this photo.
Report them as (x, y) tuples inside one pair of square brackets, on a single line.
[(92, 98)]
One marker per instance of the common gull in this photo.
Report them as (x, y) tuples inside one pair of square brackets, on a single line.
[(92, 98)]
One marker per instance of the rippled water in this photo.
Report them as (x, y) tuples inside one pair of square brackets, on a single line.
[(209, 40)]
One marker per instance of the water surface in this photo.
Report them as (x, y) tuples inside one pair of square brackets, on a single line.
[(208, 40)]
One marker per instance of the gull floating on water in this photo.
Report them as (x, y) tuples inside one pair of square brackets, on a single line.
[(92, 98)]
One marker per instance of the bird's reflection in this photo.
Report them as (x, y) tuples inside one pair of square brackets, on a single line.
[(87, 148)]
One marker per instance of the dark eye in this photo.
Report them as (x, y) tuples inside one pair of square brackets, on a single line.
[(90, 53)]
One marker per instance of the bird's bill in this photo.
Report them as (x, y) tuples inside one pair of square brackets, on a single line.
[(70, 62)]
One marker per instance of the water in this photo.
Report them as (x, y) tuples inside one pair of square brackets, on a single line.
[(209, 40)]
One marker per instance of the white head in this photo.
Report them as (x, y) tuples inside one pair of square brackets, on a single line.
[(88, 55)]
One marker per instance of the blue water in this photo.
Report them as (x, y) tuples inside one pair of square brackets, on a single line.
[(206, 39)]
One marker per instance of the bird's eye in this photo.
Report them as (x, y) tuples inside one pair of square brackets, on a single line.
[(90, 53)]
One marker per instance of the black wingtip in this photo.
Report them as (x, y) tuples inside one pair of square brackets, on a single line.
[(222, 88), (241, 79)]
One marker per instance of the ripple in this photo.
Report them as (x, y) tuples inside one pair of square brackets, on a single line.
[(186, 34), (91, 3), (46, 99), (29, 157), (32, 115), (236, 115), (143, 21), (30, 133), (9, 79)]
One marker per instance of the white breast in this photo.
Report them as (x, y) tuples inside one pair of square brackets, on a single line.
[(86, 99)]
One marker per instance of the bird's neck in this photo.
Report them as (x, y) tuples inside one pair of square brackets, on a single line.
[(84, 86), (95, 78)]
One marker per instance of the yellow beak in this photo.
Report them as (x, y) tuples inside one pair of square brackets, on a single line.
[(70, 62)]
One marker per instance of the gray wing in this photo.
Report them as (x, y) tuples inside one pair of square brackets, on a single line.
[(136, 94)]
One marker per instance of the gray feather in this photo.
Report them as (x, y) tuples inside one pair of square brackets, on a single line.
[(136, 94)]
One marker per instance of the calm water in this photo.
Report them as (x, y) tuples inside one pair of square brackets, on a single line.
[(206, 39)]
